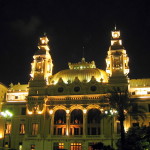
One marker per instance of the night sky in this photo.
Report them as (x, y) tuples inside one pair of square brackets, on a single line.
[(70, 25)]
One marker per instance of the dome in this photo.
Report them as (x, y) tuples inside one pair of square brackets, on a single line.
[(82, 71), (83, 75)]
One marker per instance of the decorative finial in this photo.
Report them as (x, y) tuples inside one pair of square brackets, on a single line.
[(44, 33), (83, 52), (115, 27)]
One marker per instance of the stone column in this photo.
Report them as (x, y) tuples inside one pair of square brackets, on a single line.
[(84, 124), (67, 123), (52, 124), (102, 122)]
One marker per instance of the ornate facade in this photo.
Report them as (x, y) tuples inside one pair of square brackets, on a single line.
[(63, 110)]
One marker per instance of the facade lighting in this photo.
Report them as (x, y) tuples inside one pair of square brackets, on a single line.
[(84, 111), (6, 114), (67, 111), (51, 112)]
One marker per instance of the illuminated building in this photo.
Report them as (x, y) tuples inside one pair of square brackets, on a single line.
[(63, 110)]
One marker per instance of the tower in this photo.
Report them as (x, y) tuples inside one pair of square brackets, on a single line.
[(42, 62), (117, 59), (41, 70)]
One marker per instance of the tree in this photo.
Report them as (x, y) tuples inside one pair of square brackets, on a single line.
[(119, 99), (137, 138), (101, 146)]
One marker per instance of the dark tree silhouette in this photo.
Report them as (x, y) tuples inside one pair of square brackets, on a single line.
[(119, 99)]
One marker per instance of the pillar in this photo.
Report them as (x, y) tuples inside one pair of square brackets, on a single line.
[(84, 123), (67, 123)]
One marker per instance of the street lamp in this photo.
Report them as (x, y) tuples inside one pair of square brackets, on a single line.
[(111, 112), (6, 114)]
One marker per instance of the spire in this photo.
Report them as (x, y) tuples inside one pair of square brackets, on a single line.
[(42, 62), (116, 38), (83, 52), (117, 59), (43, 43), (115, 27)]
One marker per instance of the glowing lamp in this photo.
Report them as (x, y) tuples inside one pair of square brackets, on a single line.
[(6, 114), (30, 112), (67, 133), (1, 135), (67, 111), (84, 111), (39, 112), (51, 112)]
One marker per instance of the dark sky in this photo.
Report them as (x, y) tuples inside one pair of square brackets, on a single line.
[(70, 25)]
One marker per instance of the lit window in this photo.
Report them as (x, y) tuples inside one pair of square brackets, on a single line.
[(20, 145), (7, 128), (35, 127), (22, 129), (58, 146), (76, 146), (32, 147)]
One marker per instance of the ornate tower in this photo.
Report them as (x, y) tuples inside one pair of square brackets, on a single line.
[(42, 62), (117, 59), (41, 70)]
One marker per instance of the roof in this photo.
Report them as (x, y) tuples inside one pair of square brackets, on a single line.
[(70, 75), (19, 87), (140, 82)]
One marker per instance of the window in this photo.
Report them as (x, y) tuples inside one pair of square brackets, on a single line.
[(20, 145), (64, 131), (76, 146), (70, 131), (22, 128), (93, 88), (88, 131), (57, 146), (148, 107), (23, 111), (59, 131), (32, 147), (54, 131), (76, 131), (93, 131), (60, 89), (81, 131), (7, 128), (16, 97), (135, 124), (77, 89), (6, 144), (35, 127), (99, 131)]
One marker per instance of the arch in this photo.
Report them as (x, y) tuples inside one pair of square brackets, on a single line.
[(60, 116), (92, 106), (93, 121), (76, 107), (76, 116), (93, 115), (58, 107)]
